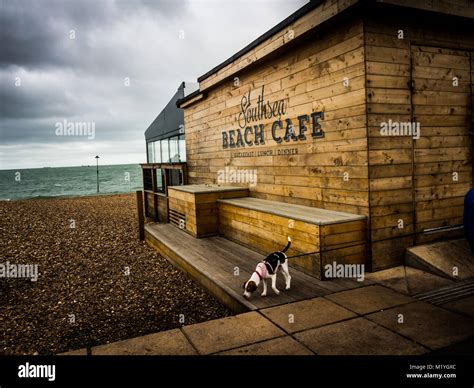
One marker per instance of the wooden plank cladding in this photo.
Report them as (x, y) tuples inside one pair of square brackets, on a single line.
[(421, 77), (319, 236), (193, 208), (306, 81), (339, 109)]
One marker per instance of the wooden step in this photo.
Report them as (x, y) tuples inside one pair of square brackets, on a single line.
[(451, 259)]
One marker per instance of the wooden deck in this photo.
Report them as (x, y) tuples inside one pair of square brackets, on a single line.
[(213, 261)]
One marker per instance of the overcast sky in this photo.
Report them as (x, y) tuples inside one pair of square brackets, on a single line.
[(47, 77)]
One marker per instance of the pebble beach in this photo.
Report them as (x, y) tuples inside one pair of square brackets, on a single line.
[(97, 283)]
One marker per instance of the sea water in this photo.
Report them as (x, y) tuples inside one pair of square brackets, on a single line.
[(69, 181)]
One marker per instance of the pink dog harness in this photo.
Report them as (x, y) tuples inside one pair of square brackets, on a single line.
[(261, 270)]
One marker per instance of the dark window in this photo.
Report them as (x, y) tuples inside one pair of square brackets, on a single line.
[(160, 180), (175, 177), (147, 179)]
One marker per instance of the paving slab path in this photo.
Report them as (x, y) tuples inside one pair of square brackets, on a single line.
[(369, 320)]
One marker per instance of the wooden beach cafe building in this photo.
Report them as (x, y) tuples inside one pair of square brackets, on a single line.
[(348, 126)]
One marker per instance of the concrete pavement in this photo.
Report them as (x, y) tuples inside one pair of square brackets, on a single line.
[(374, 319)]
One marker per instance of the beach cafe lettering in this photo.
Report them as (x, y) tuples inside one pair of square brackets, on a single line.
[(251, 133)]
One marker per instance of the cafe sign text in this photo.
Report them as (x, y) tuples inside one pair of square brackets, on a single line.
[(251, 133)]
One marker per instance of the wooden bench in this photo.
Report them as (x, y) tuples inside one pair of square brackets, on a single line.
[(324, 235)]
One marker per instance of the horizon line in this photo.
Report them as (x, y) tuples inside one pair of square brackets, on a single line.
[(84, 165)]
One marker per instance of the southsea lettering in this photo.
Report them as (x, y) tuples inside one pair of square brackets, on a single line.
[(249, 134)]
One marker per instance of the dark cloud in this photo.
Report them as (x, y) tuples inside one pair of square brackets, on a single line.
[(37, 32), (32, 32)]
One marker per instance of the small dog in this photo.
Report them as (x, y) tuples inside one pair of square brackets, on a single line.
[(268, 269)]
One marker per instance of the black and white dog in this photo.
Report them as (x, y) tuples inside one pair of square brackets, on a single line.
[(268, 269)]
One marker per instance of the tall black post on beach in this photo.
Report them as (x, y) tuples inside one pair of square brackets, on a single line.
[(97, 159)]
